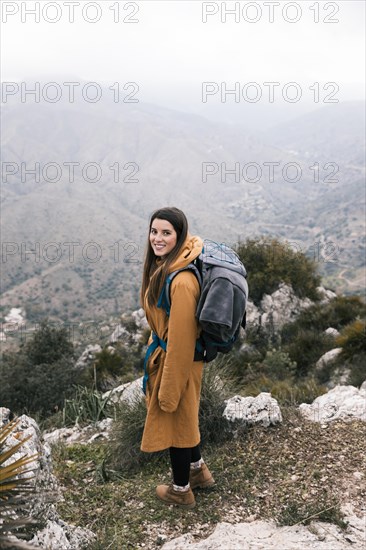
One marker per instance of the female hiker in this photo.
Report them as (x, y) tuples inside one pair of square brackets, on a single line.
[(172, 378)]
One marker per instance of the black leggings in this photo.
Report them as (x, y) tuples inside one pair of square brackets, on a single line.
[(181, 459)]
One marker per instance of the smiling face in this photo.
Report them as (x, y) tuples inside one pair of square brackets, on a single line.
[(163, 237)]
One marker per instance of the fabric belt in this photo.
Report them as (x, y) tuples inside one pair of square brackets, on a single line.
[(156, 342)]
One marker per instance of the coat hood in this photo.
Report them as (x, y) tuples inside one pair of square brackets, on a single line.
[(190, 250)]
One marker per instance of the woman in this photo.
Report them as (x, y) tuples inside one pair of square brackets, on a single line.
[(173, 380)]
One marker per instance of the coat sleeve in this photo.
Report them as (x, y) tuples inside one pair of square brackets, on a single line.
[(182, 335)]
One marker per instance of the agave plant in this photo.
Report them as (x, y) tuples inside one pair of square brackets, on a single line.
[(14, 488)]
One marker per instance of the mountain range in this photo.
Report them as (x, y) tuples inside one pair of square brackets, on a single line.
[(73, 242)]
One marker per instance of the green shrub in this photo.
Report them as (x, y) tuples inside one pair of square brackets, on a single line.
[(132, 360), (254, 368), (125, 363), (259, 340), (124, 454), (48, 344), (287, 391), (331, 370), (351, 360), (326, 508), (87, 406), (357, 370), (38, 377), (305, 339), (351, 370), (306, 348), (106, 365), (352, 339), (278, 365), (270, 262), (217, 385), (28, 388), (337, 313)]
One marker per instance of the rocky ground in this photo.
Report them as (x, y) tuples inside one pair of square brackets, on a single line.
[(282, 481), (286, 482)]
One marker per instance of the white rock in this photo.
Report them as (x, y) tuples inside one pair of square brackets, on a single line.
[(253, 315), (57, 535), (50, 535), (99, 430), (325, 294), (88, 355), (332, 332), (123, 335), (363, 386), (281, 307), (262, 409), (126, 392), (119, 334), (16, 315), (248, 348), (328, 357), (265, 535), (4, 415), (342, 402), (140, 318)]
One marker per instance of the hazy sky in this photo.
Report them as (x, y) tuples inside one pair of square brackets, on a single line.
[(170, 51)]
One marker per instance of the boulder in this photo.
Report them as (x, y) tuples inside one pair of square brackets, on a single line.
[(328, 357), (340, 403), (265, 535), (126, 392), (120, 333), (325, 294), (88, 434), (330, 331), (262, 409), (281, 307), (52, 533), (253, 315), (58, 535), (88, 355), (140, 319)]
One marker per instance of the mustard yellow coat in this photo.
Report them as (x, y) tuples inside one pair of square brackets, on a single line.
[(174, 384)]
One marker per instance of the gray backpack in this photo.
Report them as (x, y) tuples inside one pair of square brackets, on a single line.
[(221, 309)]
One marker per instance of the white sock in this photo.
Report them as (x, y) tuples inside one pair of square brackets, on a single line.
[(198, 464), (180, 488)]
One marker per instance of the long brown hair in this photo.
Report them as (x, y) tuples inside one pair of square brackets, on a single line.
[(154, 275)]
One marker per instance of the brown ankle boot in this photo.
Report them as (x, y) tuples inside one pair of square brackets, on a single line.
[(201, 477), (168, 495)]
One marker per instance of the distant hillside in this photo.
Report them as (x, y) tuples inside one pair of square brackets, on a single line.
[(166, 150), (332, 133)]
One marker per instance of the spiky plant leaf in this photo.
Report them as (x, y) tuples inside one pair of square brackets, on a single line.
[(13, 489)]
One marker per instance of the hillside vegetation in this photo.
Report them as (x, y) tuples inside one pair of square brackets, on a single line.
[(283, 362)]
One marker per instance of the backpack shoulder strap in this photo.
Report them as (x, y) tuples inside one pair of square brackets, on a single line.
[(164, 298)]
